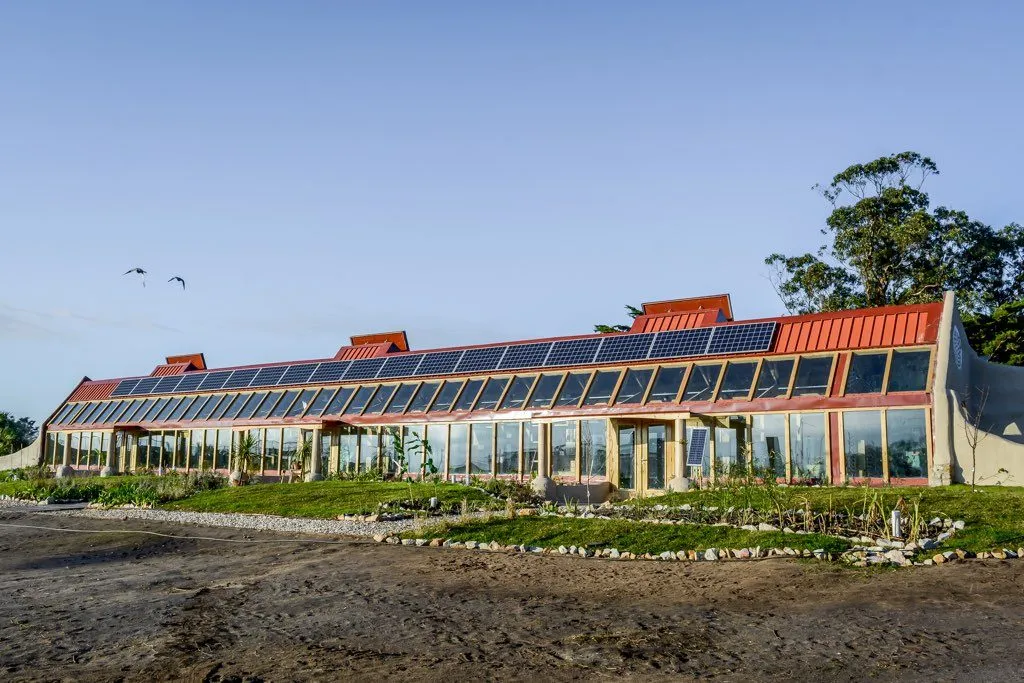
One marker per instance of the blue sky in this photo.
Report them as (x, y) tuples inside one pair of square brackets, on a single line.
[(469, 172)]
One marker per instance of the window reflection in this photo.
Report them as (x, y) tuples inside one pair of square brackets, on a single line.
[(867, 371), (862, 432)]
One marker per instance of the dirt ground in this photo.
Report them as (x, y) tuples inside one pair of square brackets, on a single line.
[(110, 606)]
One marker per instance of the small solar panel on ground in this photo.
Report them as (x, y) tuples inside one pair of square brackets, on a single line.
[(145, 386), (750, 338), (697, 446), (680, 343), (166, 385), (364, 368), (241, 378), (268, 377), (525, 356), (330, 372), (400, 366), (124, 387), (573, 352), (480, 360), (624, 347), (298, 374), (438, 363)]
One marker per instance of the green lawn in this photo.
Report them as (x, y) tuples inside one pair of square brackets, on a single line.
[(636, 537), (994, 514), (323, 499)]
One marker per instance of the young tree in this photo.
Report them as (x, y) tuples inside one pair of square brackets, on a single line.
[(16, 433), (972, 408)]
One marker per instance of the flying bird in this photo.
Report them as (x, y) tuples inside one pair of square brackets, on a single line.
[(138, 271), (179, 280)]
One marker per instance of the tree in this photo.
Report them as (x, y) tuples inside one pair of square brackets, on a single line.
[(886, 245), (1001, 333), (632, 311), (15, 434)]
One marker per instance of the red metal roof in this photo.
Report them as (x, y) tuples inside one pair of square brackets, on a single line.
[(399, 339), (697, 303), (93, 391), (364, 351), (197, 360), (859, 329), (662, 322), (170, 369)]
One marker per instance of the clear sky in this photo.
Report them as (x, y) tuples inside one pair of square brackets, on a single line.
[(466, 171)]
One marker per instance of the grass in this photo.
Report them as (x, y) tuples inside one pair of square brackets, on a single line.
[(994, 515), (636, 537), (324, 499)]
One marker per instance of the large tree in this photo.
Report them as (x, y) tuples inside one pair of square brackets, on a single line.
[(884, 244), (15, 434)]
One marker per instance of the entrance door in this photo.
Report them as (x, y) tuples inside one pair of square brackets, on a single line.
[(627, 457), (655, 441), (642, 461)]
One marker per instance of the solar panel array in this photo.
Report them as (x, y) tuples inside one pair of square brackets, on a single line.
[(697, 447), (703, 341)]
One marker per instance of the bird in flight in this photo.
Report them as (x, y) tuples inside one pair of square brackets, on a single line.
[(179, 280), (138, 271)]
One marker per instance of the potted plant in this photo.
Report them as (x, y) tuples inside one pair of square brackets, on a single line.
[(245, 459)]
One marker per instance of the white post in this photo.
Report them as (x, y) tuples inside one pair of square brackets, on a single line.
[(679, 482), (896, 519)]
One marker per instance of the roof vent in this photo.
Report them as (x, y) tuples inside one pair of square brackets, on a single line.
[(399, 339), (698, 303)]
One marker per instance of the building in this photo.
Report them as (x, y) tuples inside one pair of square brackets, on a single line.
[(883, 395)]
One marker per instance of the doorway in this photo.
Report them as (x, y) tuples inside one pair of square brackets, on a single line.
[(642, 461)]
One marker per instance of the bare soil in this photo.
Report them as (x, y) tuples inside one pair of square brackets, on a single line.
[(111, 606)]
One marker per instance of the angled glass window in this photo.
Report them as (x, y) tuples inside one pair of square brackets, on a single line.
[(737, 380), (666, 384), (518, 392), (423, 396), (107, 412), (122, 410), (211, 406), (115, 408), (249, 409), (380, 399), (129, 408), (572, 389), (196, 406), (284, 404), (225, 404), (701, 385), (94, 410), (909, 370), (154, 410), (773, 382), (812, 376), (268, 405), (446, 396), (82, 417), (64, 413), (141, 408), (182, 407), (301, 403), (359, 401), (101, 411), (602, 388), (76, 411), (236, 406), (867, 370), (491, 394), (401, 399), (634, 386), (338, 402), (322, 400), (468, 396), (171, 406), (547, 385)]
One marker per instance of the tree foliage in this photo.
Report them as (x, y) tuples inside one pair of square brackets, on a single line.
[(632, 311), (16, 433)]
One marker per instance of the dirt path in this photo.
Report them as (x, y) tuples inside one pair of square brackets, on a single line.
[(109, 606)]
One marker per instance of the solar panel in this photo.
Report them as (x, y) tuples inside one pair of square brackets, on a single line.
[(525, 356), (215, 380), (191, 382), (364, 368), (400, 366), (166, 385), (298, 374), (268, 377), (145, 385), (240, 378), (680, 343), (124, 387), (573, 352), (438, 363), (697, 447), (480, 360), (742, 338), (624, 347), (330, 372)]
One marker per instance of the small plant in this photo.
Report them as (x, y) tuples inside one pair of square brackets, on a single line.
[(245, 457)]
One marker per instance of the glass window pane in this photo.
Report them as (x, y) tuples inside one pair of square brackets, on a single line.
[(436, 447), (909, 371), (656, 456), (593, 448), (369, 449), (602, 388), (508, 448), (107, 412), (339, 401), (272, 448), (380, 399), (737, 381), (284, 404), (530, 435), (807, 446), (458, 450), (182, 407), (627, 454), (196, 406), (141, 409), (223, 407), (269, 404), (210, 406), (547, 385), (400, 401), (236, 405), (155, 410), (908, 443), (563, 448), (446, 396), (769, 444), (389, 437), (86, 415), (322, 400), (634, 386), (223, 448), (359, 401), (701, 384), (572, 390), (773, 382), (481, 447), (412, 444), (423, 397), (168, 409), (862, 433), (812, 376), (301, 404), (666, 384), (348, 444), (517, 393), (731, 446), (469, 394), (492, 393), (252, 404), (126, 408), (289, 447), (866, 373)]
